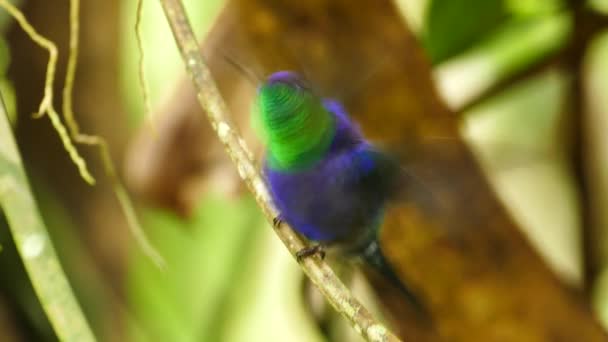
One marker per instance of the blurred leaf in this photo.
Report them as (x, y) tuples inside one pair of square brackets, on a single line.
[(596, 126), (4, 56), (34, 245), (163, 64), (600, 297), (452, 26), (6, 88), (15, 284), (90, 289), (533, 7), (267, 303), (522, 144), (599, 5), (595, 76), (516, 45), (203, 256), (10, 100), (414, 12), (5, 18)]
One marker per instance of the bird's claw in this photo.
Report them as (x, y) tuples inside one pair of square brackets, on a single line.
[(277, 221), (310, 251)]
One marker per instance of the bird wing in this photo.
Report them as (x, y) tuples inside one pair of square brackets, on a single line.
[(376, 173)]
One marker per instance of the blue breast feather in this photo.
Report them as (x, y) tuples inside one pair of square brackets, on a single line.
[(342, 195)]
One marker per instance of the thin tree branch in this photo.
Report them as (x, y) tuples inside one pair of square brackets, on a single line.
[(317, 270)]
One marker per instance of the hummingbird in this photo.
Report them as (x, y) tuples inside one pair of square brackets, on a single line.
[(327, 181)]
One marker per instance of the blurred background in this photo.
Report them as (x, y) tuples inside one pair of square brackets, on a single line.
[(523, 82)]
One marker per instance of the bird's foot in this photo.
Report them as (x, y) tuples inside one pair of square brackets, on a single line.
[(277, 221), (310, 251)]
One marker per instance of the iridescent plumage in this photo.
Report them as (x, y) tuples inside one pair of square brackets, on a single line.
[(328, 182)]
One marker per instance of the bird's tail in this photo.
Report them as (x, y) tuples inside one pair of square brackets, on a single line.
[(374, 256)]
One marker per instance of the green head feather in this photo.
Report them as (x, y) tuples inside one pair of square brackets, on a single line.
[(292, 122)]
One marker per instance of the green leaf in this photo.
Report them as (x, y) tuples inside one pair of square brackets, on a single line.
[(452, 26), (533, 7), (34, 245), (521, 142), (203, 254), (516, 45)]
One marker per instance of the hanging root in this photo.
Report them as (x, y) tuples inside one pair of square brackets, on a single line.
[(46, 107), (119, 190), (143, 83)]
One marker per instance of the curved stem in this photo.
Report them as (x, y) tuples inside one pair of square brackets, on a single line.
[(34, 245)]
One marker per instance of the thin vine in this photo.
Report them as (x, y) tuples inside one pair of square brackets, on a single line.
[(143, 83), (46, 105), (68, 112)]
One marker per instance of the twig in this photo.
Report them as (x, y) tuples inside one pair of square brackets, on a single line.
[(209, 97), (94, 140), (143, 83), (46, 106), (33, 243)]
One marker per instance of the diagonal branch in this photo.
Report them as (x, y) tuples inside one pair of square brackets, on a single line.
[(318, 271)]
